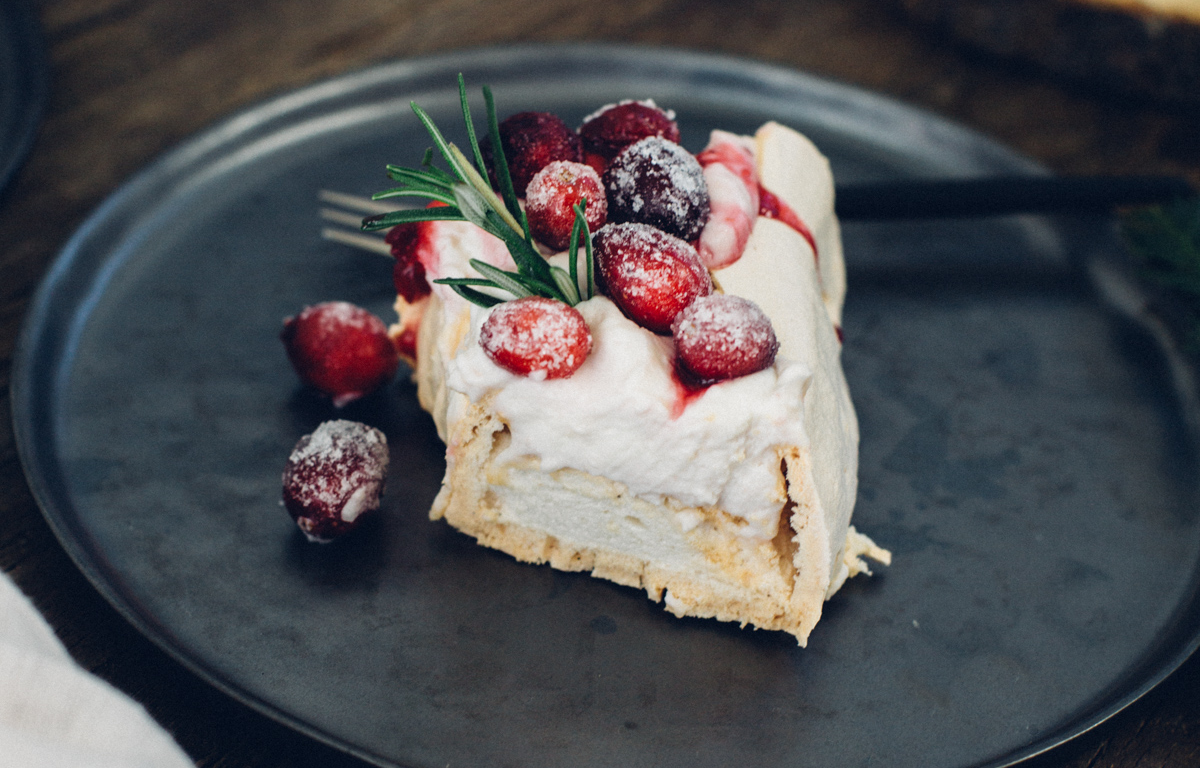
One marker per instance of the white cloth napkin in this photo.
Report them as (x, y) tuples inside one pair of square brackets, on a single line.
[(54, 714)]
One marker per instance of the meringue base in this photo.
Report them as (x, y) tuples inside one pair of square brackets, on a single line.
[(575, 521)]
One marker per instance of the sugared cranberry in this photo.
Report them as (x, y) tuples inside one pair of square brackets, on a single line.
[(333, 477), (533, 140), (536, 337), (340, 349), (551, 197), (723, 337), (613, 128), (658, 182), (408, 274), (650, 275)]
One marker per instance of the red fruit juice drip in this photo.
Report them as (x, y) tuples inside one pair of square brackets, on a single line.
[(687, 390), (772, 207)]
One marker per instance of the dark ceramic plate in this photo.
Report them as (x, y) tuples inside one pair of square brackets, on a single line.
[(1025, 455), (23, 84)]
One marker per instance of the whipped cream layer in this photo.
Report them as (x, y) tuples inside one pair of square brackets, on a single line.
[(623, 415)]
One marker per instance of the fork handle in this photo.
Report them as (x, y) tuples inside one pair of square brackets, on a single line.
[(991, 196)]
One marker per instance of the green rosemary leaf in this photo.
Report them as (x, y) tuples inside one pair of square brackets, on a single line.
[(438, 140), (506, 280), (479, 281), (501, 162), (586, 234), (573, 250), (565, 285), (528, 260), (428, 168), (428, 194), (484, 189), (409, 215), (466, 109), (474, 208), (476, 297), (1165, 239), (432, 177)]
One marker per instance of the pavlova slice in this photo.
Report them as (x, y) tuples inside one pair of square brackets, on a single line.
[(634, 360)]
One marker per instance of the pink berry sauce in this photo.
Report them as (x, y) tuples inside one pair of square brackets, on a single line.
[(770, 206)]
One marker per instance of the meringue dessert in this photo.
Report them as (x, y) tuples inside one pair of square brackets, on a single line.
[(677, 420)]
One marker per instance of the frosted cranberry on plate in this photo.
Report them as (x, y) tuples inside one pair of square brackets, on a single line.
[(340, 349), (334, 477)]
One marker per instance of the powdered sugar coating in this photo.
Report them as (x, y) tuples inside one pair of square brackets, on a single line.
[(723, 337), (658, 182), (552, 195), (536, 337), (648, 273), (334, 476)]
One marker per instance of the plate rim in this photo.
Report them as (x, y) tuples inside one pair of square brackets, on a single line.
[(260, 117)]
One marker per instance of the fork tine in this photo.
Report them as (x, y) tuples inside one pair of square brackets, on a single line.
[(354, 202), (352, 220), (357, 240), (345, 218)]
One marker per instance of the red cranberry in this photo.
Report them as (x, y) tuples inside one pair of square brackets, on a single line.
[(340, 349), (598, 162), (650, 275), (408, 273), (536, 337), (723, 337), (615, 127), (333, 477), (533, 140), (551, 197), (658, 182)]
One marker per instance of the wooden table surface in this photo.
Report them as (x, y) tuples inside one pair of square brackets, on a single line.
[(131, 78)]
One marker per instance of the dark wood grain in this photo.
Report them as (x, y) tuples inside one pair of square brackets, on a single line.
[(133, 77)]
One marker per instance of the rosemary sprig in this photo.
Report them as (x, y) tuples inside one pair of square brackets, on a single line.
[(1166, 240), (466, 195)]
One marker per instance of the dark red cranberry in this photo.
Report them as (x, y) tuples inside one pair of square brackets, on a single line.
[(533, 140), (650, 275), (408, 273), (658, 182), (334, 477), (614, 128)]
